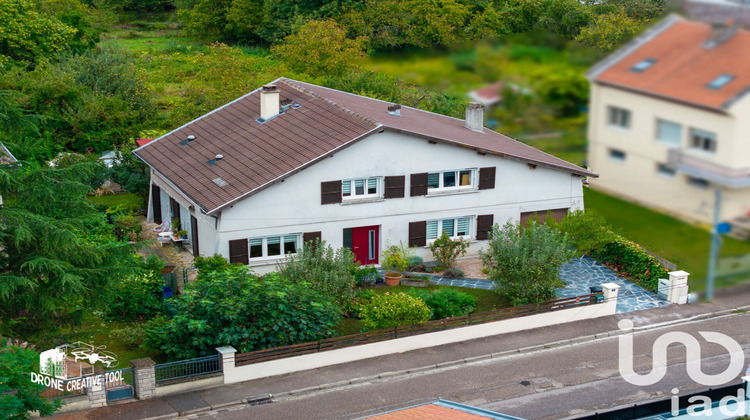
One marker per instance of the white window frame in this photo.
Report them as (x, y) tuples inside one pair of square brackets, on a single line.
[(708, 141), (473, 180), (264, 246), (440, 228), (365, 195), (670, 142), (618, 159), (616, 118)]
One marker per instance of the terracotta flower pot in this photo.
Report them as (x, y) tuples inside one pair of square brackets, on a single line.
[(393, 279)]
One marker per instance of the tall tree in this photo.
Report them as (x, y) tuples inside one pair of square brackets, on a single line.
[(57, 251), (27, 36), (18, 395)]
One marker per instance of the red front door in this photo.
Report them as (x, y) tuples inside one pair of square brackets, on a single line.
[(365, 244)]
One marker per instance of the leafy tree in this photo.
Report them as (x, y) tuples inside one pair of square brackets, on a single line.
[(215, 20), (137, 295), (446, 250), (27, 36), (13, 117), (58, 252), (524, 262), (324, 270), (131, 173), (216, 262), (19, 397), (567, 91), (609, 30), (320, 48), (234, 307)]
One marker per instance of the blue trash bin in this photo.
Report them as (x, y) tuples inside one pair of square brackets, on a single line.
[(167, 292)]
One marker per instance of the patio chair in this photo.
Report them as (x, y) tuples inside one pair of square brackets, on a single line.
[(165, 226)]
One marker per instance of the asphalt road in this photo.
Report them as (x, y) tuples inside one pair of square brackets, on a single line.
[(548, 384)]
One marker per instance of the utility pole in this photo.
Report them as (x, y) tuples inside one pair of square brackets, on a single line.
[(715, 245)]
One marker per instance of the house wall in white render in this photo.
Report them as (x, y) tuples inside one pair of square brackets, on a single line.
[(637, 178), (294, 206)]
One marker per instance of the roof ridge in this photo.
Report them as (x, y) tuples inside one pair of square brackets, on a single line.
[(306, 91)]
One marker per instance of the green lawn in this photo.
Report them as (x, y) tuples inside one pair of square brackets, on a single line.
[(685, 245), (487, 300)]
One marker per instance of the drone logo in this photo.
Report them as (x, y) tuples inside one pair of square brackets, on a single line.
[(75, 360)]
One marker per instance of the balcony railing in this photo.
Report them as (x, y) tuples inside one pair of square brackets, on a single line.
[(701, 168)]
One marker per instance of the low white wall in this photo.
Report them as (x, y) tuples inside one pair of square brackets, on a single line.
[(399, 345)]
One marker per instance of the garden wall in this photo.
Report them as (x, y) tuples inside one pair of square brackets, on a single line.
[(234, 374)]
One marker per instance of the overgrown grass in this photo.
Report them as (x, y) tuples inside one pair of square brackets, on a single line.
[(129, 201), (487, 300), (683, 244)]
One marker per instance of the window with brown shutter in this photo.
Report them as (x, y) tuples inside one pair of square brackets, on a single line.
[(418, 233), (394, 186), (330, 192), (484, 226), (418, 184), (238, 251), (311, 236), (487, 178), (156, 203)]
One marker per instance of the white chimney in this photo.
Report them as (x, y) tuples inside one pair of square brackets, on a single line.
[(269, 102), (475, 117)]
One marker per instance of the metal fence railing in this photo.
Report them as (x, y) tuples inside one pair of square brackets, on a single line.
[(410, 330), (69, 388), (187, 368)]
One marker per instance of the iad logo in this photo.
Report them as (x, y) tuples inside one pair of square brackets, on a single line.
[(692, 352)]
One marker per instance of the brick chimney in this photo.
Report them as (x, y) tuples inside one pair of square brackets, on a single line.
[(269, 102), (475, 117)]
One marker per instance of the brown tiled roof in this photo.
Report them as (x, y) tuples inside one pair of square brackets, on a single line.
[(6, 157), (685, 65), (256, 154)]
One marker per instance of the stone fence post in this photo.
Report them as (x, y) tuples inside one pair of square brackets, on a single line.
[(144, 378), (226, 360), (97, 395), (675, 289)]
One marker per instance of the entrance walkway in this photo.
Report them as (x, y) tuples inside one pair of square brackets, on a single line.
[(578, 274)]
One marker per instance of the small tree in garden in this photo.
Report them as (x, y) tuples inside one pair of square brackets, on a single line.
[(324, 270), (588, 232), (446, 250), (19, 397), (524, 262), (391, 310)]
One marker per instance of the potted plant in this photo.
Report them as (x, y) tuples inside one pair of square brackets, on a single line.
[(395, 258), (180, 234)]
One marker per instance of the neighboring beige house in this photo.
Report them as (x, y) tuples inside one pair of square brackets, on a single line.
[(670, 120)]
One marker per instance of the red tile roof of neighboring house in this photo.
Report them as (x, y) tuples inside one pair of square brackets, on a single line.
[(442, 410), (489, 93), (143, 142), (256, 155), (685, 64)]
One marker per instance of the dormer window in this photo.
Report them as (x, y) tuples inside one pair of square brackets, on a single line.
[(643, 65), (720, 82)]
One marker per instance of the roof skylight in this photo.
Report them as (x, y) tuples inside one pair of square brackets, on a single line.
[(720, 81), (643, 65), (220, 182)]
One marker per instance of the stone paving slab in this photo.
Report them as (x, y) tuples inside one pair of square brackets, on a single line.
[(579, 274)]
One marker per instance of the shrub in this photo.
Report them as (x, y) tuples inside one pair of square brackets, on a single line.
[(324, 270), (391, 310), (366, 273), (134, 296), (453, 273), (587, 232), (525, 262), (414, 262), (629, 259), (446, 303), (447, 250), (216, 262), (396, 257), (235, 308)]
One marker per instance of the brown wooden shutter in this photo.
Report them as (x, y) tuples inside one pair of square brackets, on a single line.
[(418, 184), (484, 226), (558, 214), (394, 186), (311, 236), (238, 251), (156, 203), (330, 192), (418, 233), (487, 178), (194, 232)]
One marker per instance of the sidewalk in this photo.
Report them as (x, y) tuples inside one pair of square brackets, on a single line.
[(344, 375)]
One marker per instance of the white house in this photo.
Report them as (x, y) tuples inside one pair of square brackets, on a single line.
[(291, 162), (668, 122)]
